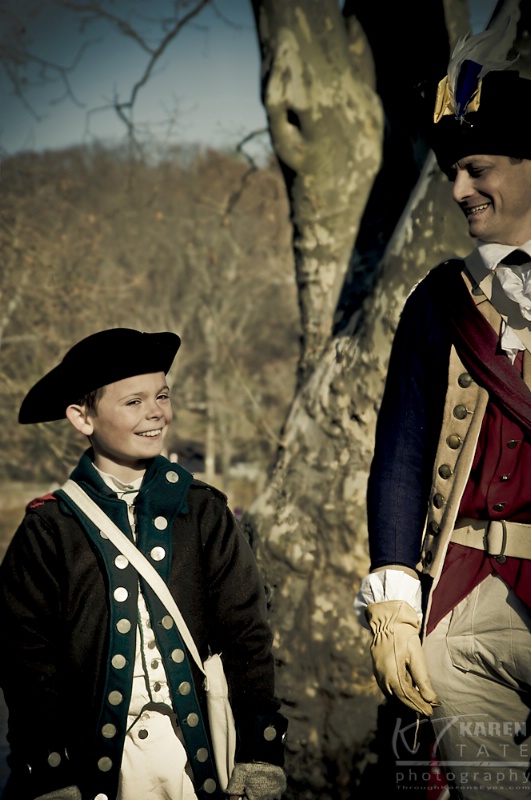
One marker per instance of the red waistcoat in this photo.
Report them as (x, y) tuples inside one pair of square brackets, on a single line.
[(499, 487)]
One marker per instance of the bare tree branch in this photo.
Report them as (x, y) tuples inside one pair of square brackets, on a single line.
[(124, 108), (17, 59)]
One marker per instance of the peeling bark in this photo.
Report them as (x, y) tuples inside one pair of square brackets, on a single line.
[(326, 124)]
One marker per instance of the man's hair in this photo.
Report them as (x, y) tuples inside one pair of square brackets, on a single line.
[(90, 400)]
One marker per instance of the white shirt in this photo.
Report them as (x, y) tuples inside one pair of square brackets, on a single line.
[(154, 759)]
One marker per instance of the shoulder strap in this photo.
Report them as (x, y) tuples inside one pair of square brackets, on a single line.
[(480, 291), (135, 557)]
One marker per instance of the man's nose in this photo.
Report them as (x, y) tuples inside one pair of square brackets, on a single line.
[(462, 187)]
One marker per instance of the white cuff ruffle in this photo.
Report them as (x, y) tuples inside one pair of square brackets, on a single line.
[(387, 584)]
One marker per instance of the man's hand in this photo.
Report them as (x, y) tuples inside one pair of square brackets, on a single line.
[(399, 663)]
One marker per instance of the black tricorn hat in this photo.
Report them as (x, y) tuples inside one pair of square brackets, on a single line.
[(97, 360), (499, 126), (482, 104)]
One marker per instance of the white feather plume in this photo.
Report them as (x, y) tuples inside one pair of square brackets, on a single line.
[(488, 48)]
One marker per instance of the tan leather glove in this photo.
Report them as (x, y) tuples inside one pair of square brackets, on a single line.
[(399, 663), (257, 781), (68, 793)]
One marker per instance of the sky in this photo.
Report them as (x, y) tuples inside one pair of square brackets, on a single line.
[(209, 76)]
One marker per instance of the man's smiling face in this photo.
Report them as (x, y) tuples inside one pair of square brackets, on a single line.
[(494, 193)]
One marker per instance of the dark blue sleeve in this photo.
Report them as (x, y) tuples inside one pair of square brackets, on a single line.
[(407, 430)]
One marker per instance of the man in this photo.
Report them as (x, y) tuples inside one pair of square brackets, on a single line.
[(449, 495)]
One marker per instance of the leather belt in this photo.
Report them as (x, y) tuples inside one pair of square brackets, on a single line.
[(498, 538)]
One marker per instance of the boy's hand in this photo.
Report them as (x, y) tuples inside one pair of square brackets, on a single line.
[(257, 781)]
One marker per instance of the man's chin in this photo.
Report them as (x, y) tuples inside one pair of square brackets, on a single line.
[(477, 231), (474, 234)]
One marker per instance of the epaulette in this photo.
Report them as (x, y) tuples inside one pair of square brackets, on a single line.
[(40, 501), (196, 484)]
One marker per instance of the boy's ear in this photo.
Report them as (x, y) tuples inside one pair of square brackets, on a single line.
[(80, 419)]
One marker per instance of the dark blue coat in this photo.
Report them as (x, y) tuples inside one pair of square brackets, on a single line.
[(62, 623)]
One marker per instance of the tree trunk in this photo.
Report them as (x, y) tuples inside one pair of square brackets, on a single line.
[(310, 521), (326, 125)]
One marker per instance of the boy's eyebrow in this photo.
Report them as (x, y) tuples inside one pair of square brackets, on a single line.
[(163, 388)]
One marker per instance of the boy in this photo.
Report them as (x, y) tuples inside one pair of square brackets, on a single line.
[(104, 702)]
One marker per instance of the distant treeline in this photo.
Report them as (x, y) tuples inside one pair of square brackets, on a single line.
[(186, 240)]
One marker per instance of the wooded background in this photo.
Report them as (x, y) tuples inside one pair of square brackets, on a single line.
[(286, 283)]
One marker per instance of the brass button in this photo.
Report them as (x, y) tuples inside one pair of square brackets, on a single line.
[(202, 755), (185, 688), (103, 535), (167, 622), (504, 478), (121, 594), (101, 797), (445, 471), (270, 733), (156, 686), (464, 380), (172, 477), (123, 626), (158, 553), (104, 764), (460, 412), (438, 500), (118, 661), (498, 506), (512, 443), (454, 441), (177, 655), (115, 698), (434, 527), (121, 562), (109, 730), (54, 759), (192, 720), (152, 644), (160, 523), (155, 663), (210, 786), (143, 733)]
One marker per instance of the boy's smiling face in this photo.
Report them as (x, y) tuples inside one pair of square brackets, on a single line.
[(129, 424)]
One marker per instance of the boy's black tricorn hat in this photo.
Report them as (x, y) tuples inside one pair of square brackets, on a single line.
[(99, 359), (482, 104)]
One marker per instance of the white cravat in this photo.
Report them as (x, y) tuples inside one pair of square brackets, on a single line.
[(515, 282)]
